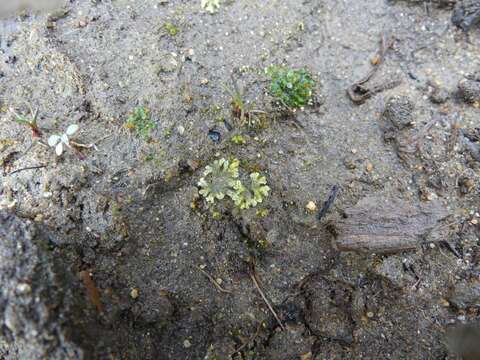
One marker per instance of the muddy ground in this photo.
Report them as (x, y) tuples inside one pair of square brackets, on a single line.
[(106, 255)]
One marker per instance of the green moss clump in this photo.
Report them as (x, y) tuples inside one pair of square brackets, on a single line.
[(141, 122), (221, 179), (292, 87)]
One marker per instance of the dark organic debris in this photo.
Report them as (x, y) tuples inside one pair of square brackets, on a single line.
[(359, 92), (395, 271), (472, 134), (213, 281), (436, 3), (399, 111), (464, 341), (465, 185), (469, 90), (328, 308), (439, 95), (256, 282), (38, 302), (27, 168), (466, 14), (465, 294), (249, 341), (470, 145), (381, 225), (228, 126), (409, 141), (329, 202), (214, 135), (92, 291)]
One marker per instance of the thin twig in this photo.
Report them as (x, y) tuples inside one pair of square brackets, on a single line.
[(213, 281), (329, 202), (89, 146), (27, 168), (358, 92), (270, 307), (249, 341)]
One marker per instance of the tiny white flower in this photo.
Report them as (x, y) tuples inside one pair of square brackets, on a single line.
[(58, 141)]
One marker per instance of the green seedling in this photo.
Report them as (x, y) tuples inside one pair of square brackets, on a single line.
[(62, 141), (238, 139), (261, 213), (171, 29), (30, 121), (211, 6), (291, 87), (241, 108), (140, 122)]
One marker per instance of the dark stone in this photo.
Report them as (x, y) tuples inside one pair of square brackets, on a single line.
[(214, 135), (466, 14), (439, 95)]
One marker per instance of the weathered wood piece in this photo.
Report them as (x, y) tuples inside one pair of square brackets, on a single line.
[(381, 225)]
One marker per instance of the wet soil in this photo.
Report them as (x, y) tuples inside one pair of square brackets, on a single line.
[(148, 268)]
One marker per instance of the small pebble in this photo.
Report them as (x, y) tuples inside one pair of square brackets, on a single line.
[(444, 303), (311, 206), (134, 293), (187, 344), (24, 288), (214, 136), (369, 167)]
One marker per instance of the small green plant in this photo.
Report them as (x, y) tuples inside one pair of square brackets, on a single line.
[(171, 29), (218, 179), (238, 139), (261, 213), (141, 122), (30, 121), (246, 197), (60, 141), (243, 109), (221, 179), (211, 5), (291, 87)]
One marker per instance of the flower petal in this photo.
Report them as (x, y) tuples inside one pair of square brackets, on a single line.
[(72, 129), (53, 140), (59, 148), (65, 139)]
